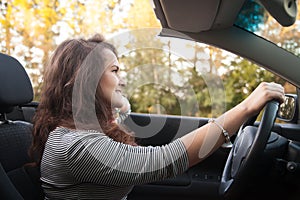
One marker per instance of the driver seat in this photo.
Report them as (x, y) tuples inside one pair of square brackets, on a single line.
[(18, 179)]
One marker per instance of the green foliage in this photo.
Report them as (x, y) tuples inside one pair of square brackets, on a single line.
[(242, 78), (32, 29), (158, 79)]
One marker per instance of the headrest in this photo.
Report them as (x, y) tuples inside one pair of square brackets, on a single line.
[(15, 85)]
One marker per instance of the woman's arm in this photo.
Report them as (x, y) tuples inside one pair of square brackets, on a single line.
[(206, 139), (96, 158)]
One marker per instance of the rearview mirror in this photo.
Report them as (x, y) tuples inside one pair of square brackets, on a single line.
[(287, 110), (284, 11)]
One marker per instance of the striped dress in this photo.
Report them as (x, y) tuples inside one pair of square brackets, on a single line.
[(89, 165)]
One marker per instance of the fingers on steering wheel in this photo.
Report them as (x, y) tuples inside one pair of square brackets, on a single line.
[(275, 90)]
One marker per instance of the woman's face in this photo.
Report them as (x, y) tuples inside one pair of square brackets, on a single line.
[(110, 83)]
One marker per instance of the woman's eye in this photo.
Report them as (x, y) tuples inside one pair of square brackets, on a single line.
[(115, 69)]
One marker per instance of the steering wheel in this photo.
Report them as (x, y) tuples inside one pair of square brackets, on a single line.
[(248, 145)]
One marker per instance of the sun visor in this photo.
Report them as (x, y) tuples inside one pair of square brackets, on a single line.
[(197, 15), (190, 15)]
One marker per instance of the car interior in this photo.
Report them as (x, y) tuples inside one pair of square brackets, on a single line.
[(264, 163), (17, 180)]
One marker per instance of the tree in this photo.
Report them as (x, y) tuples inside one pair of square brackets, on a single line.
[(286, 37), (29, 33), (145, 68), (141, 15), (244, 76), (32, 29), (174, 83)]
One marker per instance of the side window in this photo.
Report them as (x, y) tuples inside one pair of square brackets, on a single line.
[(181, 77)]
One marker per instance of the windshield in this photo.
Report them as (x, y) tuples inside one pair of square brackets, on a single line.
[(164, 75), (255, 18)]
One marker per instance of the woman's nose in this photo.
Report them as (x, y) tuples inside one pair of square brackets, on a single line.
[(122, 82)]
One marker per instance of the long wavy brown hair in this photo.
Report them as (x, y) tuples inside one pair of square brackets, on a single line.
[(71, 96)]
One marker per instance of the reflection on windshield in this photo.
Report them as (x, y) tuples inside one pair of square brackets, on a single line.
[(251, 17), (255, 18)]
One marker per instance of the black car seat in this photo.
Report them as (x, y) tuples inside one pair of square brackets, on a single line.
[(17, 178)]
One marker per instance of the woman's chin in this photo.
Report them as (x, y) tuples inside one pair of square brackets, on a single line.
[(117, 104)]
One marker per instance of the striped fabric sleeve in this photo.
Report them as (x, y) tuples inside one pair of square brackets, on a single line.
[(96, 158)]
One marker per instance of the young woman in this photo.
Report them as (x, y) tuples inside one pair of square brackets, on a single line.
[(85, 154)]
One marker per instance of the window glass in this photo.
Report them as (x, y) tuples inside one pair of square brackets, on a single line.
[(180, 77), (255, 18)]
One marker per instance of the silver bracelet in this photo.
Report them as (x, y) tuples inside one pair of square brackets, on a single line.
[(225, 133)]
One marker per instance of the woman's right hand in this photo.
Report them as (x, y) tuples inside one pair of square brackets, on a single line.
[(261, 95)]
